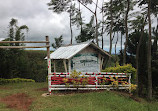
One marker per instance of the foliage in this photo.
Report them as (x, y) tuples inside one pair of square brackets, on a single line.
[(88, 32), (142, 62), (132, 87), (64, 6), (123, 69), (84, 81), (134, 40), (15, 32), (114, 82), (74, 74), (14, 80), (65, 80), (155, 58), (58, 42), (23, 64), (75, 79)]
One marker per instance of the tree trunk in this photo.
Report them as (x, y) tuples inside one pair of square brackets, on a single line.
[(137, 57), (115, 49), (137, 61), (121, 41), (157, 22), (102, 31), (111, 26), (71, 29), (80, 15), (126, 30), (149, 55), (96, 30), (96, 20)]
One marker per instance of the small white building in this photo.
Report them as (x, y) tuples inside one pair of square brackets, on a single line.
[(83, 57)]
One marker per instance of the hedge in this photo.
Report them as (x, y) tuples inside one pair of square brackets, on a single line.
[(14, 80), (123, 69)]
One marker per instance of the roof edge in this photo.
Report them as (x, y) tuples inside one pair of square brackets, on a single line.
[(81, 49), (106, 53)]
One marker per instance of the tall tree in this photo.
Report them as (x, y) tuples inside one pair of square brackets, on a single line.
[(15, 32), (152, 6), (109, 13), (71, 14), (88, 32), (126, 30), (155, 57), (141, 22), (19, 35), (102, 28), (12, 25), (113, 12), (132, 46), (111, 26), (78, 19), (95, 15), (60, 6), (149, 10), (149, 55)]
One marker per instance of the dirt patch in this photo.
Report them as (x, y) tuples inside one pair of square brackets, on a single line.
[(19, 101), (136, 98), (122, 93), (4, 88), (42, 89)]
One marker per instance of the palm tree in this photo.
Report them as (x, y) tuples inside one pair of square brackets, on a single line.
[(19, 35), (15, 32), (12, 25)]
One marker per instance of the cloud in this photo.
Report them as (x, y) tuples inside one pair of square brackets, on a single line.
[(2, 39), (40, 20), (36, 16)]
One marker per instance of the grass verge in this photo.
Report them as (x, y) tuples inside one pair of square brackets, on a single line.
[(92, 101)]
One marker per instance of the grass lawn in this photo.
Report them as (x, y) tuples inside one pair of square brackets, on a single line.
[(93, 101)]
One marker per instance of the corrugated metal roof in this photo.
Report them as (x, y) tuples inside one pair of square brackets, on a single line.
[(66, 52)]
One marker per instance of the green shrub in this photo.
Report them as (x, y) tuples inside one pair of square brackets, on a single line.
[(23, 64), (14, 80), (123, 69)]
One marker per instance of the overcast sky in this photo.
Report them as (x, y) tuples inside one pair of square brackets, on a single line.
[(40, 20), (35, 14)]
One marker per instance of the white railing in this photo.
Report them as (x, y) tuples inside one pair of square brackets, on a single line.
[(95, 76)]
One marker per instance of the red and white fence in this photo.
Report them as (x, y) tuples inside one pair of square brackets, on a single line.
[(94, 81)]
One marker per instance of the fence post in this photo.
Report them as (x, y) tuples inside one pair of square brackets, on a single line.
[(49, 65), (129, 81), (96, 81)]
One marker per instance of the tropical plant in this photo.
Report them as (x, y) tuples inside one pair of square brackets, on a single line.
[(15, 32), (58, 42), (88, 32)]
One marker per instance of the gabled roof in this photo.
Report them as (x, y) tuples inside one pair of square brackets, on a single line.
[(67, 52)]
